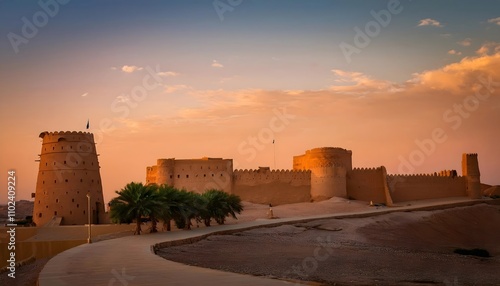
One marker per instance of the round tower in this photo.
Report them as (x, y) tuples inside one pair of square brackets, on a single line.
[(165, 171), (470, 170), (68, 171), (329, 167)]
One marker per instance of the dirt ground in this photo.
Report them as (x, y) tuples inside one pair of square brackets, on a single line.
[(406, 248), (27, 274)]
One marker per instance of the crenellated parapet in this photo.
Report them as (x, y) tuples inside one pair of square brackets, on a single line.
[(373, 169), (256, 176), (426, 176), (73, 136)]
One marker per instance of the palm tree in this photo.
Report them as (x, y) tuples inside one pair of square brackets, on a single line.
[(219, 205), (171, 204), (136, 201), (188, 206)]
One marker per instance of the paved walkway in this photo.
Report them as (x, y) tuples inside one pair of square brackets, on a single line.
[(130, 260)]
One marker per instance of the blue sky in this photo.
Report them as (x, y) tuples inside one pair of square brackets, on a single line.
[(220, 80)]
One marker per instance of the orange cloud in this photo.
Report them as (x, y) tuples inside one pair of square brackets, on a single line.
[(460, 77), (359, 84)]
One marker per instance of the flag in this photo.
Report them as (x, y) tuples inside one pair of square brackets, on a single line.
[(88, 123)]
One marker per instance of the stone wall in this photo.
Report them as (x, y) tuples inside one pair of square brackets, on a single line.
[(276, 187), (367, 184), (197, 175), (425, 186)]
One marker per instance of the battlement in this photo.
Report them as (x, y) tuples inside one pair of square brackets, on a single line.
[(373, 169), (63, 133), (70, 136), (328, 150), (429, 177), (471, 154), (264, 176), (419, 175), (263, 170)]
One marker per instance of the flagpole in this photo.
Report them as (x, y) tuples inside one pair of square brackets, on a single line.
[(274, 147)]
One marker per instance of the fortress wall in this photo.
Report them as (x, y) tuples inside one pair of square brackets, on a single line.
[(366, 184), (197, 175), (425, 186), (275, 187), (68, 171)]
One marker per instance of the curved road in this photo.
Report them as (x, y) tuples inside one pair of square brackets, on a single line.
[(130, 260)]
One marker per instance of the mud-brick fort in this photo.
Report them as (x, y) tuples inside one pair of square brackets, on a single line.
[(319, 174), (69, 178)]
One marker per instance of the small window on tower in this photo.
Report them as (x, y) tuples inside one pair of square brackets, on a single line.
[(77, 205)]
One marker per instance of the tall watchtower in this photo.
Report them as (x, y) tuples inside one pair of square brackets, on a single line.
[(470, 170), (68, 171)]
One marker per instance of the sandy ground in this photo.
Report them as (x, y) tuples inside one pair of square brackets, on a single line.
[(405, 248), (28, 274)]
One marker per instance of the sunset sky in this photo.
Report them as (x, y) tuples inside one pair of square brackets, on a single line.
[(410, 85)]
